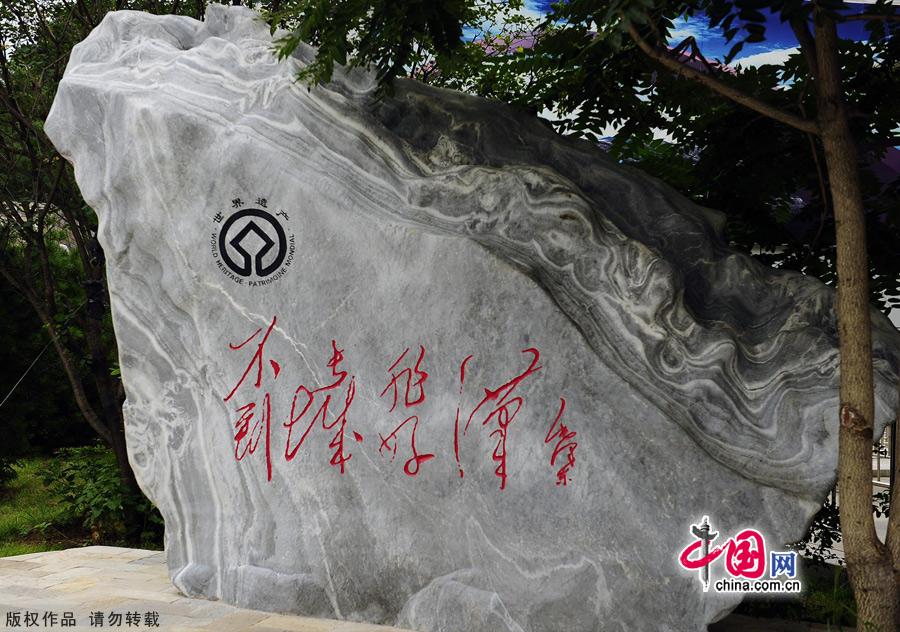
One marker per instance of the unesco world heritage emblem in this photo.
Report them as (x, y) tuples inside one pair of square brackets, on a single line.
[(251, 245)]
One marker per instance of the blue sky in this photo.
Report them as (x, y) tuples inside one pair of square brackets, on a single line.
[(780, 41), (779, 44), (779, 36)]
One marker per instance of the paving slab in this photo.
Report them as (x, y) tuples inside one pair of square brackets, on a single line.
[(114, 580), (111, 580)]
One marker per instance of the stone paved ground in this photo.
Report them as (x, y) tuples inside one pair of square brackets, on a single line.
[(111, 579), (741, 623)]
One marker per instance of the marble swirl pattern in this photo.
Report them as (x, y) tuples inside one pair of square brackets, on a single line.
[(700, 381)]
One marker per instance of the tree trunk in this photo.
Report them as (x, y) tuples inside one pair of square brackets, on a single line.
[(111, 410), (106, 420), (868, 561), (131, 517), (110, 405), (893, 531)]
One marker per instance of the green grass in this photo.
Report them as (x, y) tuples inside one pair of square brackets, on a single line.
[(10, 548), (29, 514)]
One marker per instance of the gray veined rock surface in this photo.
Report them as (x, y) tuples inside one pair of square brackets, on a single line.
[(348, 328)]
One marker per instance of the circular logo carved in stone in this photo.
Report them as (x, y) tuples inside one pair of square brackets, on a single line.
[(247, 246), (251, 246)]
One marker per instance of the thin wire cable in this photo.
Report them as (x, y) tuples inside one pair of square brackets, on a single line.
[(38, 357)]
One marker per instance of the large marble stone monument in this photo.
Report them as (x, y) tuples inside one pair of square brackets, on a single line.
[(418, 359)]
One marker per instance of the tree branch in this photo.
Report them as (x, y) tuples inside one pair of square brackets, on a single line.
[(823, 191), (65, 359), (820, 173), (807, 45), (717, 86), (43, 250), (8, 100), (870, 17)]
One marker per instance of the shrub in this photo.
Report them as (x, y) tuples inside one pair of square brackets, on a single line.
[(824, 532), (87, 482), (831, 601), (823, 535), (7, 471)]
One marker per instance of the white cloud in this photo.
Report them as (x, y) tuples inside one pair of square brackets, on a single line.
[(533, 9), (776, 57), (694, 27)]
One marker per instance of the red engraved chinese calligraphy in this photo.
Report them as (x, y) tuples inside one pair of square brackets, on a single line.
[(565, 445), (327, 407), (412, 382), (306, 401), (247, 437), (462, 382), (411, 467), (414, 379), (498, 406)]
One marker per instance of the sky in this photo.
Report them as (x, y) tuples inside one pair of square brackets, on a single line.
[(779, 44)]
